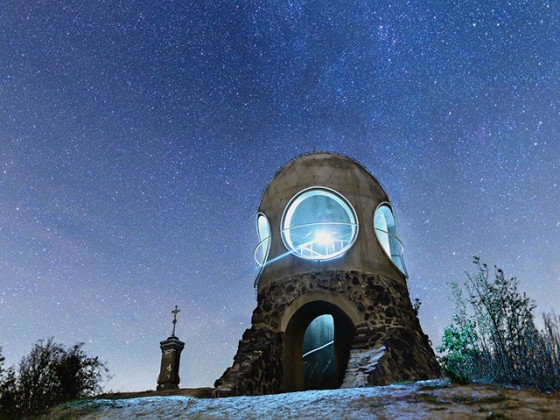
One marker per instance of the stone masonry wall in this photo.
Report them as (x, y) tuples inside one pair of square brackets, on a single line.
[(257, 366), (387, 320)]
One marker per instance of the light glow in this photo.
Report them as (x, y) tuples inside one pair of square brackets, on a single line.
[(319, 224), (323, 237)]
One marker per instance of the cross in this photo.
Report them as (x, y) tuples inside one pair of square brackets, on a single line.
[(174, 312)]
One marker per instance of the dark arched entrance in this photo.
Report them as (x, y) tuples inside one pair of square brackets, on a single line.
[(307, 319)]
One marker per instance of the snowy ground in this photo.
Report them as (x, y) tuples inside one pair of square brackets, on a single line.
[(421, 400)]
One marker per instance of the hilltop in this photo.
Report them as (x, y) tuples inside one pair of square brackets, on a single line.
[(419, 400)]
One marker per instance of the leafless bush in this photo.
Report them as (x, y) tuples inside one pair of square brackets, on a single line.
[(494, 337)]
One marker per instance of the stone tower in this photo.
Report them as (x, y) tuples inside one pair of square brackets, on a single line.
[(333, 307)]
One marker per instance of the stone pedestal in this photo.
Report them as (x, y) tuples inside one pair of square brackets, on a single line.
[(170, 359)]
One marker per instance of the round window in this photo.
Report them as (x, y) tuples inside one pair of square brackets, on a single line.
[(319, 224)]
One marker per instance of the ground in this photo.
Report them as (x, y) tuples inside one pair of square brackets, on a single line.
[(420, 400)]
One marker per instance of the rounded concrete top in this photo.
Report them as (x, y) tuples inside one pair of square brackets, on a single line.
[(326, 169), (344, 176)]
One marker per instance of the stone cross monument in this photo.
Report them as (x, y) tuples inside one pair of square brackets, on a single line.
[(333, 308), (170, 358)]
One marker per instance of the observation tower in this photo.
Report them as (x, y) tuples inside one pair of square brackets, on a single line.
[(333, 308)]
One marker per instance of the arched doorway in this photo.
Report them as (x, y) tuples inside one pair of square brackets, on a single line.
[(317, 345)]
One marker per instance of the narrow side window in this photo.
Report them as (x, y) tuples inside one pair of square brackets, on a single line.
[(386, 230)]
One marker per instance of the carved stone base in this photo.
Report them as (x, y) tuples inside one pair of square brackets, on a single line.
[(170, 359)]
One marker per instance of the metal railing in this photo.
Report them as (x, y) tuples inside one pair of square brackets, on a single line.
[(395, 252), (306, 249), (313, 248)]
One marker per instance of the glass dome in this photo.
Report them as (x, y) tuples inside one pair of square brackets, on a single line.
[(319, 224), (386, 231)]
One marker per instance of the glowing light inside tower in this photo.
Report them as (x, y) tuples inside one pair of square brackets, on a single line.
[(319, 224), (323, 237)]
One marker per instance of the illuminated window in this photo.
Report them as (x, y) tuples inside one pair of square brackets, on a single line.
[(319, 224), (263, 248), (386, 231), (319, 366)]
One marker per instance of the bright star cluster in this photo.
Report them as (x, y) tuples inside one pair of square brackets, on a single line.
[(136, 139)]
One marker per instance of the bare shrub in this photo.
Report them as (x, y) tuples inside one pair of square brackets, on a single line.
[(494, 337)]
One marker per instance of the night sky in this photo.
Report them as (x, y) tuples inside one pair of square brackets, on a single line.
[(136, 139)]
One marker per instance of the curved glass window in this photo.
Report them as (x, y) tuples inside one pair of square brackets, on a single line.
[(319, 224), (386, 231), (264, 232), (319, 363)]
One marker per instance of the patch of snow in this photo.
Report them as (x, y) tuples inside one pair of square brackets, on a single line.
[(325, 404), (430, 399)]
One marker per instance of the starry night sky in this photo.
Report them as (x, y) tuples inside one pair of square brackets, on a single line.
[(136, 139)]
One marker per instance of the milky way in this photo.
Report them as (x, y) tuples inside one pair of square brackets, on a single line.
[(136, 139)]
